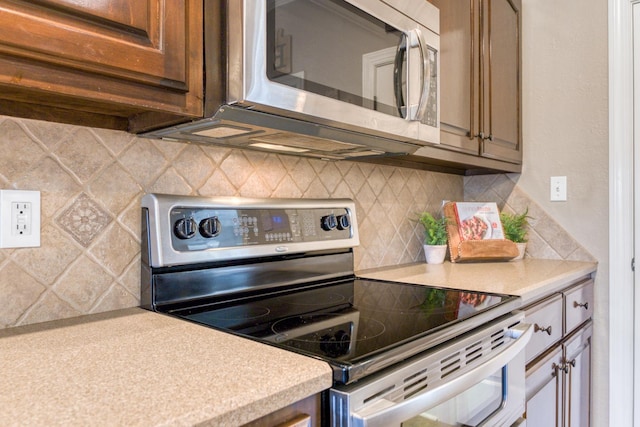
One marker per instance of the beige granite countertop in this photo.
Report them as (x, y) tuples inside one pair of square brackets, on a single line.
[(530, 279), (134, 367)]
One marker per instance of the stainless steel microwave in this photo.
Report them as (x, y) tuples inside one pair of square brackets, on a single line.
[(332, 79)]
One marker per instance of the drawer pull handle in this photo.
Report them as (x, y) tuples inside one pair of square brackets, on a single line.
[(584, 305), (538, 328)]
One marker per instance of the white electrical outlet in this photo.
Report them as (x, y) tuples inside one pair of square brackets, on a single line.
[(19, 219), (558, 189)]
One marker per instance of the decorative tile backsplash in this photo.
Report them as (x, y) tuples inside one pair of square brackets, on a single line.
[(91, 182), (547, 240)]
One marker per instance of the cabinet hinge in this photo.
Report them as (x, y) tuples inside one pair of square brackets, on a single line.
[(633, 264)]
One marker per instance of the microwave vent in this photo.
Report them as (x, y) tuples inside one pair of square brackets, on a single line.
[(305, 142), (223, 131), (238, 127)]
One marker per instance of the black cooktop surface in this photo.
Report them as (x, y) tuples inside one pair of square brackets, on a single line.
[(353, 321)]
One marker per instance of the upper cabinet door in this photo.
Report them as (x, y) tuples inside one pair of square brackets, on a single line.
[(459, 71), (501, 77), (143, 53)]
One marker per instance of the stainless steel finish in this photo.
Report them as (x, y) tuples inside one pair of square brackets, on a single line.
[(424, 76), (254, 126), (402, 352), (162, 250), (390, 399), (263, 108)]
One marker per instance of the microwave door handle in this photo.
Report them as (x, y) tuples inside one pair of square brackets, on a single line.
[(425, 76), (397, 75), (416, 76), (385, 413)]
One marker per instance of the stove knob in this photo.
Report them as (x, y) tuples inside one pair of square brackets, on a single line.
[(343, 222), (185, 228), (210, 227), (329, 222)]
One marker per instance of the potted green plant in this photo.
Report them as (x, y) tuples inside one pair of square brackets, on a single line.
[(435, 237), (516, 229)]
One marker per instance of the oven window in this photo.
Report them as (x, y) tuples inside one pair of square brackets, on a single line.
[(470, 408), (333, 49)]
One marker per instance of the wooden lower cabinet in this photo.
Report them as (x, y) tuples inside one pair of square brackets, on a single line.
[(304, 413), (559, 384), (544, 391), (577, 378), (558, 377)]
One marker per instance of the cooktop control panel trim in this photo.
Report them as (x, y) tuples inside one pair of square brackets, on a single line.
[(187, 229)]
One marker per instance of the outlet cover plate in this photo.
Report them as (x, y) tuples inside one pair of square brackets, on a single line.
[(19, 219)]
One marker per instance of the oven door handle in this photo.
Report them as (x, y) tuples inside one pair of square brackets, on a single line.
[(386, 413)]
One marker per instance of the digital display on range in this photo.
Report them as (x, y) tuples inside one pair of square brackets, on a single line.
[(272, 221)]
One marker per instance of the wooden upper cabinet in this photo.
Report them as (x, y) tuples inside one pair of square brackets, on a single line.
[(501, 72), (480, 78), (117, 58), (459, 74)]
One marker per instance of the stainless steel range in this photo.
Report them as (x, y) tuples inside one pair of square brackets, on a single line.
[(281, 271)]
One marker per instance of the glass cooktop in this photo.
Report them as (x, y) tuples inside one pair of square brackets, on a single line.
[(351, 322)]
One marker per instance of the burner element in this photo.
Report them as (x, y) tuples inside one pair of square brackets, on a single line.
[(324, 299), (231, 317), (336, 345)]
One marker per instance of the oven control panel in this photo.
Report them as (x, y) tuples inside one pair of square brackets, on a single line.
[(198, 228), (181, 230)]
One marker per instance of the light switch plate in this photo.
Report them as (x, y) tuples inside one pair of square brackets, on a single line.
[(19, 219), (558, 189)]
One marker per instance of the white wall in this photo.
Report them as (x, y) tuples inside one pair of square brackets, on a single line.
[(565, 131)]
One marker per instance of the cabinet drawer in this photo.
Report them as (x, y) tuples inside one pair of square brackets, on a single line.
[(546, 318), (578, 305)]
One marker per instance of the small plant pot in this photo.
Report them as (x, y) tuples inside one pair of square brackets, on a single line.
[(521, 249), (434, 254)]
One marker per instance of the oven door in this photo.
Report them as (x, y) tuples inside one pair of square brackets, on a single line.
[(442, 389), (358, 65), (491, 402)]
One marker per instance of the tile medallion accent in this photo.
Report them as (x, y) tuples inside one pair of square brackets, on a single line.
[(84, 220)]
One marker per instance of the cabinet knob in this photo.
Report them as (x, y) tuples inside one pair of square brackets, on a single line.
[(584, 305), (538, 328), (484, 138), (561, 367)]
